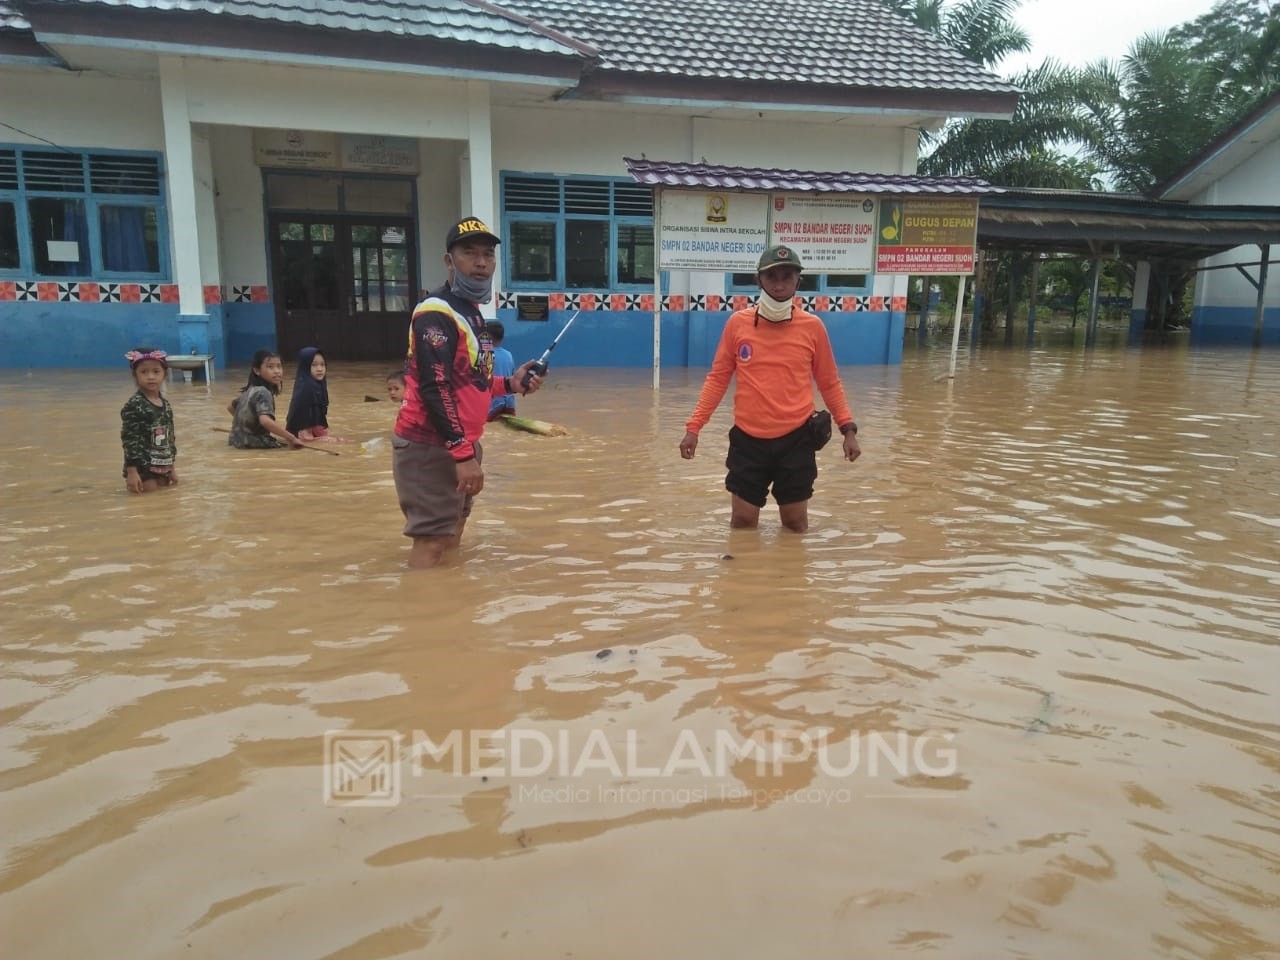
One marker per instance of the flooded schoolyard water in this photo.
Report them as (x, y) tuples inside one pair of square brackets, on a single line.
[(1044, 605)]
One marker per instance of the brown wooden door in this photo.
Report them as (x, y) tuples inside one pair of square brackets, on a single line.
[(384, 286), (344, 284), (308, 283)]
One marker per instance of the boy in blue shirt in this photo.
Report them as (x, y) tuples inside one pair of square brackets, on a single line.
[(504, 365)]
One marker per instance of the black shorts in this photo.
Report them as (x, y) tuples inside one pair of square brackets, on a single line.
[(787, 463), (145, 473)]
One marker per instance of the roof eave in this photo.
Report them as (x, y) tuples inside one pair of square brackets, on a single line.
[(630, 87), (1218, 146), (21, 47), (235, 38)]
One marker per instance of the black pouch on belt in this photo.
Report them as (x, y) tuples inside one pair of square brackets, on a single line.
[(819, 427)]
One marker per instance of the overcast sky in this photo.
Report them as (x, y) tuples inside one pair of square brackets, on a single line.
[(1077, 32)]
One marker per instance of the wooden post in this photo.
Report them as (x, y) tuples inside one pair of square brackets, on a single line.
[(979, 301), (1031, 300), (922, 331), (1011, 301), (1091, 331), (1262, 295)]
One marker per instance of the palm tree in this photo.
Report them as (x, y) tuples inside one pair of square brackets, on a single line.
[(984, 31), (1146, 114)]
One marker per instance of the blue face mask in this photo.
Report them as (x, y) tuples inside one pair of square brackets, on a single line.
[(477, 291)]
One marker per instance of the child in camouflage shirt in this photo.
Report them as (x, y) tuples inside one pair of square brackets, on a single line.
[(146, 425)]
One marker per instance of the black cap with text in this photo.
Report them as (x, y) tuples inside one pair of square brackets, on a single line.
[(469, 228)]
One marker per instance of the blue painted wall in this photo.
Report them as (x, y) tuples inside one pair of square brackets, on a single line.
[(1233, 325), (604, 338), (249, 327), (72, 334)]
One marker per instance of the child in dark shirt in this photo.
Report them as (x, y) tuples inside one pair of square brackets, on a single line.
[(308, 415), (146, 425), (253, 412)]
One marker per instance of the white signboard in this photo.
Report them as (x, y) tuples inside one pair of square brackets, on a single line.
[(712, 230), (62, 251), (830, 234), (379, 154)]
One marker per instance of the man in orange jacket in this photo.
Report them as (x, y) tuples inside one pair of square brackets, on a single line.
[(777, 351)]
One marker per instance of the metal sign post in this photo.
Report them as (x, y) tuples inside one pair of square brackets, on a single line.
[(657, 286)]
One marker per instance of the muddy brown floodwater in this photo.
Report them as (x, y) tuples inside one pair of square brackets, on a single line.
[(1014, 695)]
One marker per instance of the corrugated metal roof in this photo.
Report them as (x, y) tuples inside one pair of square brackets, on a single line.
[(11, 19), (677, 174), (453, 20), (856, 43)]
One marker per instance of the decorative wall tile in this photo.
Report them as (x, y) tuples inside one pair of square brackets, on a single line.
[(92, 291), (115, 292)]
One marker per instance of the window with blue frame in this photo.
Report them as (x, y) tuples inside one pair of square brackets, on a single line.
[(576, 233), (81, 214)]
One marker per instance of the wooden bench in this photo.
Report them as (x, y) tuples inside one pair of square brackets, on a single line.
[(192, 361)]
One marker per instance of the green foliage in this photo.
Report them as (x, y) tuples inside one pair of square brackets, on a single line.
[(984, 31), (1242, 37), (1136, 121)]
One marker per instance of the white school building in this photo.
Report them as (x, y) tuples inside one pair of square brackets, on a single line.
[(216, 177)]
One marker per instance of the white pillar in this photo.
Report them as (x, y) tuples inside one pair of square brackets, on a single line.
[(477, 187), (180, 177), (1141, 280)]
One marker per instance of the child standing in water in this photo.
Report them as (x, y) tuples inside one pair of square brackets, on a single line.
[(395, 387), (504, 365), (309, 408), (146, 425), (253, 412)]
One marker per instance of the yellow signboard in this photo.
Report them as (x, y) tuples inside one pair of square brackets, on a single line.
[(927, 235)]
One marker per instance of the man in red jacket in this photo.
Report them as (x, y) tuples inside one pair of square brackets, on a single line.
[(436, 454), (777, 351)]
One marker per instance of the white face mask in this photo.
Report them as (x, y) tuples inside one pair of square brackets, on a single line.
[(775, 311)]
